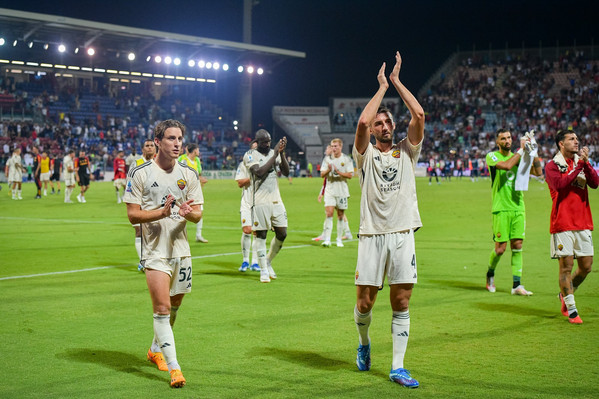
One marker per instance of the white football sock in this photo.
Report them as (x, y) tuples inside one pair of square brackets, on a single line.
[(340, 228), (246, 244), (254, 251), (363, 321), (400, 329), (138, 247), (199, 228), (260, 244), (164, 335), (328, 228)]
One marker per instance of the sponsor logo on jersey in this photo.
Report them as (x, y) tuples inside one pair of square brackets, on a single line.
[(154, 184), (389, 173), (181, 183), (396, 154), (128, 189)]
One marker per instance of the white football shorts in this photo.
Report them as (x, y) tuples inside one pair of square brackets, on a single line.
[(265, 217), (337, 202), (392, 254), (179, 269), (572, 243)]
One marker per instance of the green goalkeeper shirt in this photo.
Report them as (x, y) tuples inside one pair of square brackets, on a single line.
[(505, 197)]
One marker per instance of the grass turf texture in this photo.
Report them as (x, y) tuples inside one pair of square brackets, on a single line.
[(85, 334)]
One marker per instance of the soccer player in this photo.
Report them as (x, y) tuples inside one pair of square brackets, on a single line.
[(569, 175), (43, 170), (388, 218), (162, 195), (68, 173), (268, 210), (347, 235), (192, 158), (82, 168), (242, 176), (337, 169), (509, 219), (148, 152), (55, 166), (120, 175), (36, 171), (14, 171)]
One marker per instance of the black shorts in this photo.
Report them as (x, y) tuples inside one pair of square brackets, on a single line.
[(55, 176), (83, 180)]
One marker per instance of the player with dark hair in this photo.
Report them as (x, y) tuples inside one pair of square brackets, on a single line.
[(386, 246), (268, 210), (509, 219), (569, 174), (82, 167)]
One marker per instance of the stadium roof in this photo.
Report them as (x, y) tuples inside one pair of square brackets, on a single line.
[(33, 30)]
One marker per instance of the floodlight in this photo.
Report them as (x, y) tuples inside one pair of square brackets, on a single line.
[(250, 69), (77, 50), (216, 65), (91, 51), (2, 41), (260, 71), (148, 58), (209, 65), (46, 46), (158, 59), (30, 44), (201, 64), (131, 56), (177, 61), (191, 63), (225, 67), (168, 60), (62, 48), (235, 123), (14, 43), (240, 69)]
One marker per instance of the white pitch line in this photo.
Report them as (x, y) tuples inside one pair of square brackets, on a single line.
[(115, 266)]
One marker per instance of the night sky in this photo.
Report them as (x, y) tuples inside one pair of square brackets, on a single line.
[(346, 41)]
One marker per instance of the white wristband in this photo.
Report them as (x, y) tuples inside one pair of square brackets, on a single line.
[(520, 152)]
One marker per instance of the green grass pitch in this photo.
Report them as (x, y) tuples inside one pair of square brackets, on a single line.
[(77, 319)]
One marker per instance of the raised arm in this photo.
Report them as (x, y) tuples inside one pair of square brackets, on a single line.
[(369, 113), (416, 126)]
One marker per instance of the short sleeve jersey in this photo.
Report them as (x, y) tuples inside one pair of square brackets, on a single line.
[(140, 161), (66, 163), (14, 164), (246, 195), (389, 203), (505, 197), (120, 168), (83, 166), (148, 185), (263, 190), (337, 185)]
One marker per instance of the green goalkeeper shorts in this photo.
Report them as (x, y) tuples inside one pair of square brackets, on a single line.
[(508, 225)]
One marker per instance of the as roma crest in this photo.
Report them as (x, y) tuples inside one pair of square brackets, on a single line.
[(181, 183), (396, 154)]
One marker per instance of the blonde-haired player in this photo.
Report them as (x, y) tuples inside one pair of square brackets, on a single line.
[(337, 169)]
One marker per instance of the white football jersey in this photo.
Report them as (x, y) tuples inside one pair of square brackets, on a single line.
[(389, 203), (67, 162), (148, 185), (15, 168), (246, 193), (336, 185), (266, 190)]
